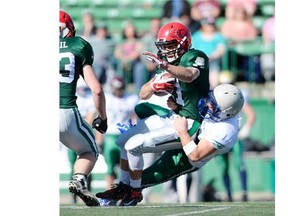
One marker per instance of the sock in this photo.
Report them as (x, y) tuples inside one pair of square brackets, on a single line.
[(243, 178), (135, 183), (227, 185), (125, 177)]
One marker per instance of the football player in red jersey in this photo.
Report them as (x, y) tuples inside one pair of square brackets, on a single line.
[(191, 69)]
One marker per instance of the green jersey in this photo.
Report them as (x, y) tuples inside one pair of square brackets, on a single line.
[(75, 53), (191, 93)]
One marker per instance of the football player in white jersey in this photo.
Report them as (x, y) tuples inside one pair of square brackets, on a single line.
[(219, 129)]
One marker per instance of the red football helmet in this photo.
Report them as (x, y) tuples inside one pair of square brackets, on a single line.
[(173, 40), (66, 27)]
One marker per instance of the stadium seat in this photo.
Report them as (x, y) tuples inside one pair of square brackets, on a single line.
[(220, 21), (267, 9), (259, 21), (78, 3)]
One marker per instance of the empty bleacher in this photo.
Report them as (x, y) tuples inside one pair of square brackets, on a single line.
[(115, 12)]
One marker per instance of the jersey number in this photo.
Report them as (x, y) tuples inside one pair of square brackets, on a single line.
[(67, 67)]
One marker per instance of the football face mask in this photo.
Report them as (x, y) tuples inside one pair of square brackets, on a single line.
[(208, 108)]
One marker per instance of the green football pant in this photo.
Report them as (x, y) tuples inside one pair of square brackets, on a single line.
[(146, 109), (170, 165)]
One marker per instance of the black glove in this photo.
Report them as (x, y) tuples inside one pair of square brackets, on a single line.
[(100, 125)]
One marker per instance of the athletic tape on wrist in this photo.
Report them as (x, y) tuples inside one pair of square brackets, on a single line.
[(164, 64), (189, 147)]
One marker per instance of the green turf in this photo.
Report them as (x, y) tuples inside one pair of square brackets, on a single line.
[(266, 208)]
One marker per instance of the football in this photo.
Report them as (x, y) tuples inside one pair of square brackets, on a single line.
[(161, 93), (168, 78)]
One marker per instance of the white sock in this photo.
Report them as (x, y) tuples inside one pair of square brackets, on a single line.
[(135, 183), (125, 177)]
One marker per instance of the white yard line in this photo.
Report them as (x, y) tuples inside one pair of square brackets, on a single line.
[(199, 212)]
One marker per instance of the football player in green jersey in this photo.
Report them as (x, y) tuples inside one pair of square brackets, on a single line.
[(76, 58), (190, 68)]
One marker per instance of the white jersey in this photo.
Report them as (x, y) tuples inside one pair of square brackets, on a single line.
[(119, 110), (223, 135)]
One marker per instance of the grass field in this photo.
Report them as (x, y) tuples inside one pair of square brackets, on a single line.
[(266, 208)]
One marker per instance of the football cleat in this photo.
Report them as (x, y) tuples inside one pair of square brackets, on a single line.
[(132, 198), (78, 188), (119, 191)]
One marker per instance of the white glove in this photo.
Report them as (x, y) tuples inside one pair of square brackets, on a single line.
[(155, 60), (244, 132)]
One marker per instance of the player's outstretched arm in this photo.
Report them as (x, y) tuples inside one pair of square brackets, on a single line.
[(182, 73)]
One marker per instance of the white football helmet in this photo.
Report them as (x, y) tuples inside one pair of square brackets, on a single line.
[(224, 102)]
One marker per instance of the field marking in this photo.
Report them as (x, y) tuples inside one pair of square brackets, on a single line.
[(75, 207), (152, 206), (199, 212), (190, 205)]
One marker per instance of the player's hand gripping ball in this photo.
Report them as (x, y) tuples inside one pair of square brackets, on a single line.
[(163, 84)]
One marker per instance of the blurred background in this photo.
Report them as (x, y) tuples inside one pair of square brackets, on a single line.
[(239, 38)]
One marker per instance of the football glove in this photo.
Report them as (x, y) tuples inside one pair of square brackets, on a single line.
[(100, 125), (124, 127), (161, 84), (155, 59)]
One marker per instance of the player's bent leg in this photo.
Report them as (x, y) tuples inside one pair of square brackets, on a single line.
[(157, 141), (171, 164)]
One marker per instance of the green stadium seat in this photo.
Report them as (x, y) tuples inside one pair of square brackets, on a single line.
[(253, 47), (78, 3), (76, 12), (220, 21), (267, 9), (130, 3), (68, 2), (259, 21), (109, 3), (261, 2)]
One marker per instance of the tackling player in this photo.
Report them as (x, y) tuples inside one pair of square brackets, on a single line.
[(76, 58), (191, 69), (217, 135)]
